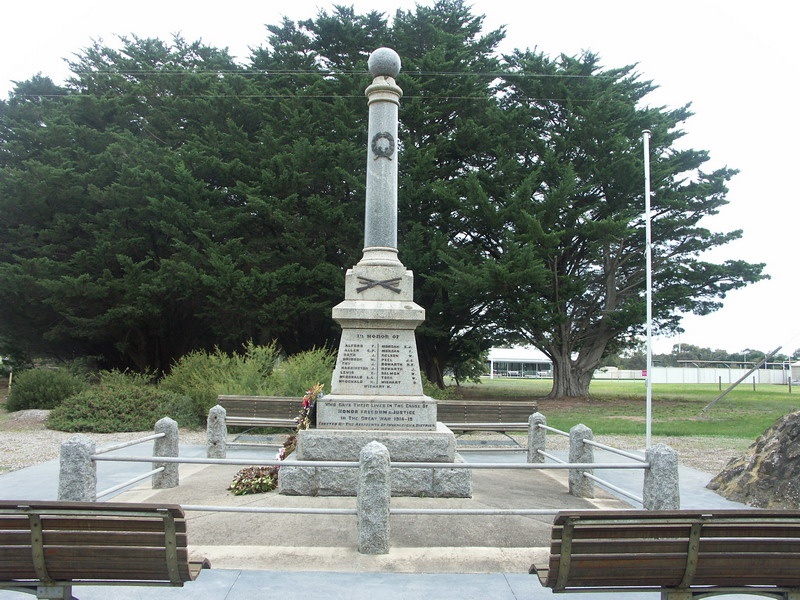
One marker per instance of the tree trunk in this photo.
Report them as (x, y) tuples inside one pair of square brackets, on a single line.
[(572, 376), (569, 380), (430, 364)]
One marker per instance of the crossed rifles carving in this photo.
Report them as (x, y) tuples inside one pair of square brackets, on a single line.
[(389, 284)]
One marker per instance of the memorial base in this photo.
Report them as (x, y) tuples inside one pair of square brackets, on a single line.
[(403, 446)]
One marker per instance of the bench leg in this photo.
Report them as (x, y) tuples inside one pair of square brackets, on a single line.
[(55, 592), (676, 595)]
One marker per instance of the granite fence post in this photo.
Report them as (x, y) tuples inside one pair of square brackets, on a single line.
[(374, 493), (166, 446), (580, 486), (537, 437), (216, 433), (661, 482), (77, 479)]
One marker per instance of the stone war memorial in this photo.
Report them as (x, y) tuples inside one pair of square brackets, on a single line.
[(376, 391)]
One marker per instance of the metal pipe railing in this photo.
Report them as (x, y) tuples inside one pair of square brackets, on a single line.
[(551, 429), (97, 456), (270, 462), (270, 509), (392, 511), (495, 449), (491, 512), (556, 463), (614, 488), (354, 465), (129, 443), (613, 450), (641, 463), (552, 457), (131, 481)]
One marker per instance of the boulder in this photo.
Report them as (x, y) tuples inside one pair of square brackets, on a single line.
[(768, 474)]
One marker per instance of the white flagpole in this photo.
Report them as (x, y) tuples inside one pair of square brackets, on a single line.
[(649, 285)]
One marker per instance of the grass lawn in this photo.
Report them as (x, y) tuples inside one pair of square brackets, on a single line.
[(618, 407)]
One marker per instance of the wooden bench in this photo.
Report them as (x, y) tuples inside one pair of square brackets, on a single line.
[(458, 415), (684, 553), (47, 547), (485, 415), (261, 411)]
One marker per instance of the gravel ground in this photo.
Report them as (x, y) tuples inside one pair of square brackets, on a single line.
[(25, 441)]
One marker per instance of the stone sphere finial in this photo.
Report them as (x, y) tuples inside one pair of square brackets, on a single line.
[(384, 61)]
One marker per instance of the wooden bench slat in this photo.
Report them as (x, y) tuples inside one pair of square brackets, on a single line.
[(65, 563), (711, 529), (110, 525), (608, 548), (487, 426), (640, 572), (116, 564), (665, 545), (10, 542)]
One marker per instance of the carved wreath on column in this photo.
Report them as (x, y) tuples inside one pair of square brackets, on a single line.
[(383, 145)]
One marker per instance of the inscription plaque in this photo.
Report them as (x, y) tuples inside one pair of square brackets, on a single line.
[(377, 361), (376, 414)]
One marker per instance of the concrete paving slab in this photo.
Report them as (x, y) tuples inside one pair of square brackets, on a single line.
[(419, 543)]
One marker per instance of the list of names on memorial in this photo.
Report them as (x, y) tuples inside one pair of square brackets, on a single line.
[(376, 361)]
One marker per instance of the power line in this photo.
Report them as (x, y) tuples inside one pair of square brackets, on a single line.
[(323, 73), (302, 97)]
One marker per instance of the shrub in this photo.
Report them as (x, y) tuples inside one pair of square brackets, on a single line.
[(203, 375), (297, 373), (42, 389), (434, 391), (256, 372), (124, 379), (121, 402)]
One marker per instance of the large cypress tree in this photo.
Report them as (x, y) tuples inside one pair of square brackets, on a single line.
[(572, 204), (167, 199)]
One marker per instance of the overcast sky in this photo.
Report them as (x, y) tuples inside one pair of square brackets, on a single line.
[(731, 59)]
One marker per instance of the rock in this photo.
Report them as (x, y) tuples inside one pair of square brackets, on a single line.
[(768, 474)]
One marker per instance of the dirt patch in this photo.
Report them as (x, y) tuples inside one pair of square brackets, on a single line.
[(24, 420)]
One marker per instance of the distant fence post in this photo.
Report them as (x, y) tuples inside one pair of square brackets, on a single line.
[(217, 433), (580, 486), (166, 446), (537, 437), (77, 478), (661, 482), (374, 493)]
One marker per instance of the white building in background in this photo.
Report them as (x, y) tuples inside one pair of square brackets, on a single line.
[(717, 375), (519, 361), (527, 361)]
